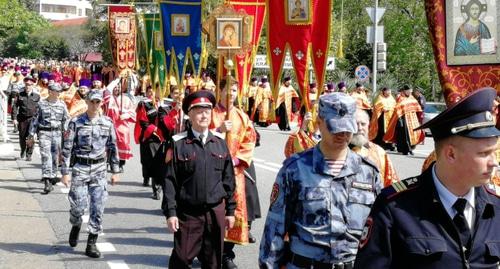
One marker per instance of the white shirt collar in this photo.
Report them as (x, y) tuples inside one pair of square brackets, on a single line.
[(448, 199), (197, 135)]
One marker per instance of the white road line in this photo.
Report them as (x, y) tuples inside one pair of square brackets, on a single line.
[(105, 247), (267, 163), (85, 218), (275, 170), (118, 264), (60, 184)]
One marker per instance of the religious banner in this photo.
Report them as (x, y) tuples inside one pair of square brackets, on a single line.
[(464, 36), (301, 27), (256, 11), (181, 25), (142, 55), (122, 35), (154, 45)]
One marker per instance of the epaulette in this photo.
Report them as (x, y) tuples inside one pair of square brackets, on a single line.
[(179, 136), (492, 189), (399, 187), (296, 156), (219, 135)]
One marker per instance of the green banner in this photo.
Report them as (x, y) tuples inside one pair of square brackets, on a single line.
[(155, 50), (142, 54)]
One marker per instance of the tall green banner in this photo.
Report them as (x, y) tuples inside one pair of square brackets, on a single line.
[(154, 47)]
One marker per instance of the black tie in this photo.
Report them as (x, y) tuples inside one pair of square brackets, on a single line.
[(201, 138), (461, 222)]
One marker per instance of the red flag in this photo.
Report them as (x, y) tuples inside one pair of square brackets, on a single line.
[(465, 61), (301, 27), (122, 35)]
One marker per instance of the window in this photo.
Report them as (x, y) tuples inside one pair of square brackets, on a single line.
[(79, 12), (58, 9)]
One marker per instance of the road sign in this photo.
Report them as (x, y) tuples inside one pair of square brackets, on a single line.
[(369, 34), (380, 13), (261, 62), (362, 73)]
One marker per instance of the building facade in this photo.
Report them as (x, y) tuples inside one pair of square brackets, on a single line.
[(56, 10)]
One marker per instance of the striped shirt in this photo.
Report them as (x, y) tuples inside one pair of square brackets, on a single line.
[(334, 166)]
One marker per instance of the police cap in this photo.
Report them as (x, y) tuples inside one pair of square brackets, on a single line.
[(469, 117), (95, 95), (55, 87), (198, 99), (337, 110)]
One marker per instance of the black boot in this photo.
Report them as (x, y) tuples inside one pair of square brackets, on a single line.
[(145, 182), (91, 249), (48, 186), (228, 263), (156, 192), (73, 235)]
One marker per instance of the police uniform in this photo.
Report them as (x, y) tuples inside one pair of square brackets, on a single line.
[(88, 144), (24, 109), (49, 123), (198, 190), (321, 212), (412, 223)]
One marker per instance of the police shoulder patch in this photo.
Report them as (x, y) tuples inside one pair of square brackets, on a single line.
[(179, 136), (400, 187), (366, 233), (274, 193)]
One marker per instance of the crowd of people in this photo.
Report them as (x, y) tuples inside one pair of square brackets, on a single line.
[(337, 201)]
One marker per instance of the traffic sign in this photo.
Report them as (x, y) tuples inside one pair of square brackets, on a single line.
[(362, 73), (330, 63), (261, 62), (380, 13), (370, 32)]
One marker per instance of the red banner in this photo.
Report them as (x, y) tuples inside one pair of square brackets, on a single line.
[(466, 61), (301, 27), (244, 63), (122, 36)]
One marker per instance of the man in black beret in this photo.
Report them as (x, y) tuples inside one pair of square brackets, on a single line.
[(198, 188), (447, 217)]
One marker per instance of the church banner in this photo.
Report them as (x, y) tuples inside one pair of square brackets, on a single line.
[(142, 56), (154, 45), (301, 27), (181, 26), (122, 35), (464, 36)]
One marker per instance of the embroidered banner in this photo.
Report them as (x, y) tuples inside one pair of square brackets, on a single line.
[(122, 35), (142, 56), (464, 35), (181, 25), (301, 27), (154, 45)]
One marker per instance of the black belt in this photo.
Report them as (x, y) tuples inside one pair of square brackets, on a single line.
[(48, 129), (304, 262), (89, 161)]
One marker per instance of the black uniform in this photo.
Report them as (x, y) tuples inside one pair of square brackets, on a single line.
[(198, 189), (411, 229), (24, 109)]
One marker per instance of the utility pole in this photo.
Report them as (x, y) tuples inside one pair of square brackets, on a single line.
[(374, 69)]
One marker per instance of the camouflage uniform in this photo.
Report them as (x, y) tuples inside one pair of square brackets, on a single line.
[(322, 214), (87, 141), (49, 122)]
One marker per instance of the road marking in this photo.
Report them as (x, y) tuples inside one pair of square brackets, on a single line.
[(60, 184), (85, 218), (65, 190), (424, 152), (267, 163), (118, 264), (266, 167), (105, 247)]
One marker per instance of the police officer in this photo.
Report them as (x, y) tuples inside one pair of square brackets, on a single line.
[(449, 216), (87, 142), (50, 121), (321, 197), (198, 190), (24, 109)]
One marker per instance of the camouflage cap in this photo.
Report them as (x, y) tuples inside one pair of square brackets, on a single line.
[(337, 110), (95, 95), (55, 87)]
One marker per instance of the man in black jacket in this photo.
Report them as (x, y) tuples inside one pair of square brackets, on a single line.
[(24, 109), (199, 183)]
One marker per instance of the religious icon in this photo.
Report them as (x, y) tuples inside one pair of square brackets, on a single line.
[(180, 24), (122, 25), (298, 11), (229, 33), (472, 31), (158, 40)]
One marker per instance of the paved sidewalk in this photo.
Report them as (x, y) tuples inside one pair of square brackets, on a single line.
[(27, 239)]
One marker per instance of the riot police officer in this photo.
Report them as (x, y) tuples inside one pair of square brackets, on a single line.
[(49, 123), (321, 197), (87, 142)]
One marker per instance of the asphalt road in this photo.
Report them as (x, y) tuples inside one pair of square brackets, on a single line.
[(135, 233)]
